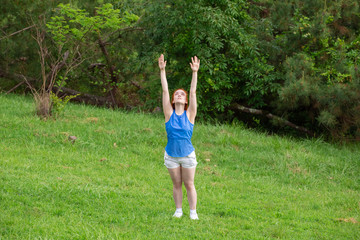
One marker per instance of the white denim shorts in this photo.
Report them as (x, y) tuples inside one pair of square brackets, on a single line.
[(186, 162)]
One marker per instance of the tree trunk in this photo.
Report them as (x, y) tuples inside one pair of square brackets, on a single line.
[(111, 69)]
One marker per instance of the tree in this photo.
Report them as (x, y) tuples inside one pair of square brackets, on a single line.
[(73, 25), (220, 34), (315, 46), (71, 37)]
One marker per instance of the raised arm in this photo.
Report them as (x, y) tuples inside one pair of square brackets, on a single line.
[(195, 64), (167, 108)]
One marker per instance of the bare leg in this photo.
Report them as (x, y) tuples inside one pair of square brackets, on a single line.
[(188, 175), (175, 174)]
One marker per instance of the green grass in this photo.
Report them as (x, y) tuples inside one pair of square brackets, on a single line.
[(250, 185)]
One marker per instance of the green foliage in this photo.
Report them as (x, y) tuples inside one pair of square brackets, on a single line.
[(19, 52), (58, 104), (97, 34), (220, 34), (298, 59), (318, 53), (327, 119), (72, 23)]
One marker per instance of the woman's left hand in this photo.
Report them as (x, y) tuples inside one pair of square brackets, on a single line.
[(195, 64)]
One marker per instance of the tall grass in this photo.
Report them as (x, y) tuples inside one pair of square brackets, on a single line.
[(111, 182)]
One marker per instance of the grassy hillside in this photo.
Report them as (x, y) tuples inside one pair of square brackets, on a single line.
[(111, 182)]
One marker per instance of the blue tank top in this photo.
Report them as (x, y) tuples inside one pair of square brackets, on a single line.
[(179, 130)]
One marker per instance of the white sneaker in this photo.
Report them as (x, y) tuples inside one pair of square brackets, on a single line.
[(194, 216), (178, 214)]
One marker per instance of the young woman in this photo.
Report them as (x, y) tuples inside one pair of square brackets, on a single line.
[(179, 155)]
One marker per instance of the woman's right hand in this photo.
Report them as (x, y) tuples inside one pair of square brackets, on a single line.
[(162, 63)]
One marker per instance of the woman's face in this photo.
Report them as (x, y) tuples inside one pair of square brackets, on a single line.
[(180, 97)]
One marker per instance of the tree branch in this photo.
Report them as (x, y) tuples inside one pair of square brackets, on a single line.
[(17, 32), (15, 76), (16, 86), (84, 97), (271, 116)]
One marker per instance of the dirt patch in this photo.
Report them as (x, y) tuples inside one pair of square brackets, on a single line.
[(296, 169), (227, 133), (149, 130), (236, 147), (208, 145), (209, 170), (348, 220), (206, 154), (92, 120)]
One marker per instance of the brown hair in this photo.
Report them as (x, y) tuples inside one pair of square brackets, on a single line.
[(186, 96)]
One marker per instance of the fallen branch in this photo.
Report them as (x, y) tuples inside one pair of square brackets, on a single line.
[(16, 86), (93, 65), (84, 97), (18, 78), (17, 32), (15, 76), (271, 116)]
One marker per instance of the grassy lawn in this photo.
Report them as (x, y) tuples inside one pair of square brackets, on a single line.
[(111, 182)]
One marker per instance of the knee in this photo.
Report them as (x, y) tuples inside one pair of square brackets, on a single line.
[(177, 185), (189, 185)]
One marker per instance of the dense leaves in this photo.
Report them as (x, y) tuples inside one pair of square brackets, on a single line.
[(297, 59), (317, 52), (220, 34)]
